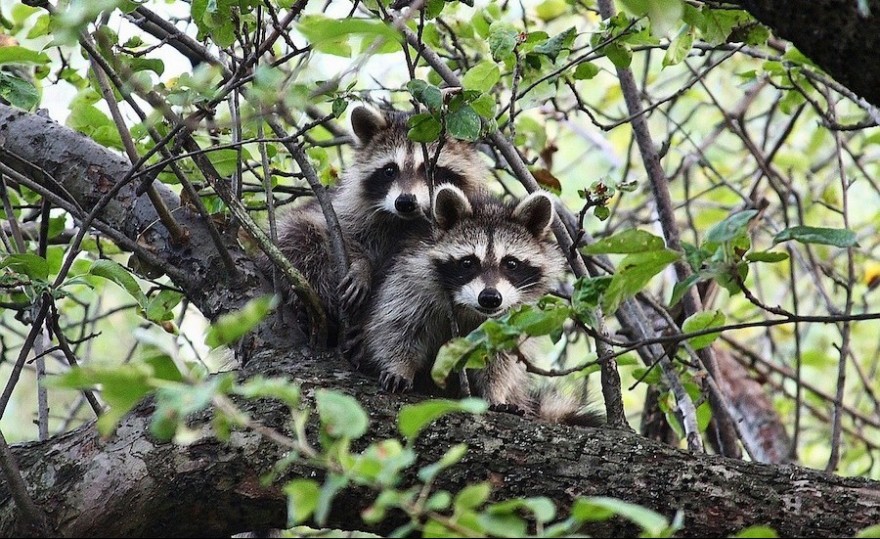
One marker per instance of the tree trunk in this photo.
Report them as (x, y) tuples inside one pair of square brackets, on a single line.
[(67, 163), (833, 34), (132, 485)]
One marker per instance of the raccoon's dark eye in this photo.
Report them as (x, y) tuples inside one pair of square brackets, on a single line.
[(390, 170), (509, 263), (467, 262)]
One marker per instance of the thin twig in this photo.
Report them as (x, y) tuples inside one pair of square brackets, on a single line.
[(846, 327)]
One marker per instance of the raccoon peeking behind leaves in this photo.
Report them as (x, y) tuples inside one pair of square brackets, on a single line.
[(484, 257), (383, 202)]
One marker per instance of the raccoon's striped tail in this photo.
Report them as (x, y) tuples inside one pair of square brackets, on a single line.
[(553, 405)]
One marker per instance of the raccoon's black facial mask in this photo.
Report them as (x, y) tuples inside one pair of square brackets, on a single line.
[(378, 183)]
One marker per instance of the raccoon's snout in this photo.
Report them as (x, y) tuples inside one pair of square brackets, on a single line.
[(490, 298), (406, 203)]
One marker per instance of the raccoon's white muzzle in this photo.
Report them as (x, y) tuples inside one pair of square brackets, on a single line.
[(489, 300), (407, 204)]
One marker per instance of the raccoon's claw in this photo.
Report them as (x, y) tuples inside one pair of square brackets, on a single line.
[(393, 383), (507, 409), (353, 349), (355, 286)]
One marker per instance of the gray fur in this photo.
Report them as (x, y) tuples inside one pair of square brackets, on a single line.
[(373, 234), (410, 313)]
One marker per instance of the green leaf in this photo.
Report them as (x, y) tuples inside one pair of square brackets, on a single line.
[(556, 44), (601, 212), (35, 267), (701, 321), (259, 387), (633, 274), (15, 54), (122, 386), (302, 499), (484, 106), (413, 418), (159, 307), (648, 375), (600, 508), (540, 319), (456, 353), (482, 77), (767, 531), (585, 71), (155, 65), (332, 485), (502, 40), (541, 507), (870, 531), (18, 92), (665, 15), (318, 28), (730, 228), (90, 121), (503, 525), (767, 256), (433, 8), (551, 9), (383, 462), (423, 128), (619, 54), (426, 93), (230, 327), (175, 402), (464, 124), (451, 457), (432, 97), (679, 47), (339, 106), (681, 287), (439, 501), (226, 160), (113, 271), (626, 242), (838, 237), (472, 496), (495, 334), (587, 294), (341, 415)]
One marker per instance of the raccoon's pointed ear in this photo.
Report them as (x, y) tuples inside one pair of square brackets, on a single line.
[(535, 212), (450, 206), (366, 122)]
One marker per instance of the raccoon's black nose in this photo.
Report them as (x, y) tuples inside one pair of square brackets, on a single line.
[(489, 298), (406, 203)]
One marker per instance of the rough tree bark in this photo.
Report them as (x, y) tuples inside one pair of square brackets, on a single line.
[(131, 485), (832, 33), (71, 163)]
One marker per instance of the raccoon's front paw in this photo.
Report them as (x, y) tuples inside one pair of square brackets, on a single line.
[(394, 383), (507, 409), (355, 286), (353, 348)]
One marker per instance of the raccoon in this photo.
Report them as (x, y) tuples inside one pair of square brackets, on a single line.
[(485, 257), (383, 202), (553, 405)]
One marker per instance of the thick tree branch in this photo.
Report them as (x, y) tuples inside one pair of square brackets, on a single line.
[(90, 483), (833, 34), (78, 170)]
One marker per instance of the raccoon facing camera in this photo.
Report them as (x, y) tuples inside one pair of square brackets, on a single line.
[(382, 203)]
